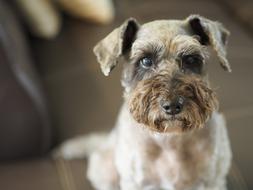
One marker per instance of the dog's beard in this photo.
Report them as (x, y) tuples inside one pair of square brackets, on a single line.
[(144, 102)]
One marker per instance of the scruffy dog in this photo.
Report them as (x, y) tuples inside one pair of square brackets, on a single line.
[(169, 135)]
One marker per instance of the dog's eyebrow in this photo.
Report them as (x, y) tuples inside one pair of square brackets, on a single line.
[(193, 50), (151, 49)]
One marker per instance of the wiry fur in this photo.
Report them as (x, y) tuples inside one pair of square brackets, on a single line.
[(145, 100), (149, 149)]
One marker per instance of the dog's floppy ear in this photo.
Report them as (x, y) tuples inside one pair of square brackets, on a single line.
[(118, 42), (211, 33)]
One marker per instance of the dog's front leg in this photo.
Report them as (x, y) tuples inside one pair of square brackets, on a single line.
[(135, 168), (126, 184), (101, 171)]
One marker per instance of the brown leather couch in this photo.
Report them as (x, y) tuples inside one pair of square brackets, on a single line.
[(54, 90), (25, 129)]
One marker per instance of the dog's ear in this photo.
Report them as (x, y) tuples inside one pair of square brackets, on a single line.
[(117, 43), (211, 33)]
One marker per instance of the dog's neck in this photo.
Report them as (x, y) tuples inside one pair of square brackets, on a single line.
[(140, 133)]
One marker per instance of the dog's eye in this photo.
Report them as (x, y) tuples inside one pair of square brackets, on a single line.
[(193, 63), (146, 62)]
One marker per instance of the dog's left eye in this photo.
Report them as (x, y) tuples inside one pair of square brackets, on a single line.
[(146, 62), (193, 63)]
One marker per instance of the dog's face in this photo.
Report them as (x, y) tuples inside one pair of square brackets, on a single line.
[(164, 75)]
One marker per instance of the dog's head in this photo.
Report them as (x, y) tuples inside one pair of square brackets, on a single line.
[(164, 71)]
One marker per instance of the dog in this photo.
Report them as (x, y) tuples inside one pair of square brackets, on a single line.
[(169, 134)]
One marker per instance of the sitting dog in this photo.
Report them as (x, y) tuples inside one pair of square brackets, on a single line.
[(169, 135)]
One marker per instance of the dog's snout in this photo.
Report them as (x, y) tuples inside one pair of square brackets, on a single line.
[(173, 107)]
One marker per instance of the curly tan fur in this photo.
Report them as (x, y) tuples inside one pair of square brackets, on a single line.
[(145, 107)]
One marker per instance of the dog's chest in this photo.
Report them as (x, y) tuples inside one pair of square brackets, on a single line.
[(175, 163)]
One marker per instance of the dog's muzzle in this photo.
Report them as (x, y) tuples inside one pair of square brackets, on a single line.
[(167, 102)]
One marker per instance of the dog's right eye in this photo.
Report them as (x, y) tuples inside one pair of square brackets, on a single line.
[(146, 62), (193, 63)]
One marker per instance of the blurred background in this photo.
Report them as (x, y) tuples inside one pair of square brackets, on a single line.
[(52, 89)]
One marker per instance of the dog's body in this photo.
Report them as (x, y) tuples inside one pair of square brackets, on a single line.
[(169, 135), (196, 160)]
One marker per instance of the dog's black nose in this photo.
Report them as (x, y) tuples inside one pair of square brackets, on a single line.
[(174, 107)]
